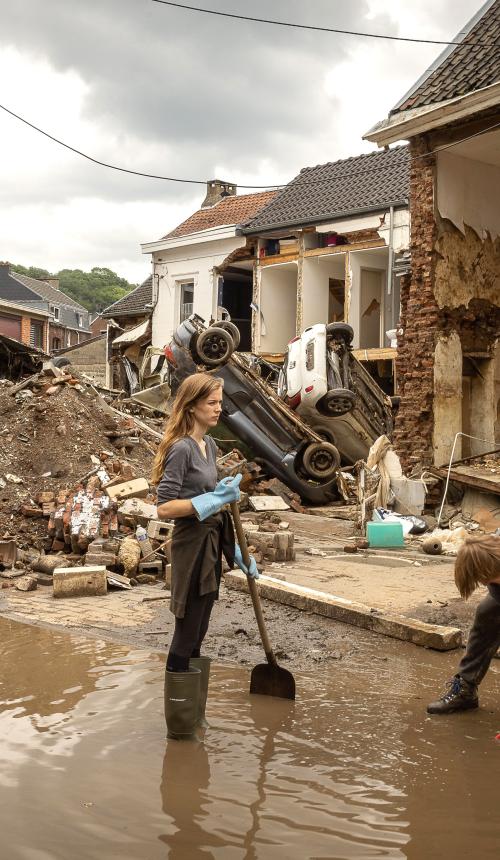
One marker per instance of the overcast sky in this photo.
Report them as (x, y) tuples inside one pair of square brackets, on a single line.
[(167, 91)]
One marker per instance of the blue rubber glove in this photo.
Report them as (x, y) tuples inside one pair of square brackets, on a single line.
[(252, 570), (208, 504)]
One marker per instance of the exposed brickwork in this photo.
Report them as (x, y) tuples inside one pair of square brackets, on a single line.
[(419, 319), (25, 329)]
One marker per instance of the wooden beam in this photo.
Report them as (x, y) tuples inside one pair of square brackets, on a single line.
[(386, 353)]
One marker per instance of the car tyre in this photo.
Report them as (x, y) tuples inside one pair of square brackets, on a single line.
[(231, 328), (214, 346), (321, 461), (338, 401), (340, 330)]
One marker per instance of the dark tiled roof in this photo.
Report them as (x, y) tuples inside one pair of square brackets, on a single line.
[(230, 210), (48, 293), (134, 303), (30, 291), (464, 68), (337, 189)]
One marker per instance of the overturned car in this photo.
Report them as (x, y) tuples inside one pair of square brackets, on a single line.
[(325, 384), (251, 409)]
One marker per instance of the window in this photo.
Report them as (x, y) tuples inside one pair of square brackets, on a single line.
[(56, 343), (187, 298), (36, 334), (54, 311), (79, 320)]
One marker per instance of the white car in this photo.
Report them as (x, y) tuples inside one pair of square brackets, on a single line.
[(323, 382)]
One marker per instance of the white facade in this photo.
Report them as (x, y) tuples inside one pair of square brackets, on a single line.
[(181, 262)]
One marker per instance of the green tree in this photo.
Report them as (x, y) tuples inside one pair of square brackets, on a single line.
[(95, 290)]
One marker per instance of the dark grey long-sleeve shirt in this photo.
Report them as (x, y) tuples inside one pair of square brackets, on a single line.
[(187, 473)]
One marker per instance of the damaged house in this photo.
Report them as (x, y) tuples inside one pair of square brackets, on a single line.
[(205, 264), (448, 360), (330, 248), (128, 333)]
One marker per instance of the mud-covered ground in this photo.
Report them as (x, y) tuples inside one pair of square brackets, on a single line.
[(300, 639)]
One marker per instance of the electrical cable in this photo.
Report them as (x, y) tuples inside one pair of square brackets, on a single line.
[(305, 26), (345, 176)]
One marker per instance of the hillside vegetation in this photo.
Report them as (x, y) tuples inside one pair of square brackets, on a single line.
[(95, 290)]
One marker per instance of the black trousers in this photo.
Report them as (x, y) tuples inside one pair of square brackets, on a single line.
[(191, 630), (483, 642)]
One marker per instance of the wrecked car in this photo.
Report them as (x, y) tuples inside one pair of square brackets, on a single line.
[(289, 449), (324, 384)]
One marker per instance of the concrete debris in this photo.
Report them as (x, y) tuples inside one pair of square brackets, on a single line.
[(80, 581), (26, 583)]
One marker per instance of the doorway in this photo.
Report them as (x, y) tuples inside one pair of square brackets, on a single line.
[(371, 308), (235, 295)]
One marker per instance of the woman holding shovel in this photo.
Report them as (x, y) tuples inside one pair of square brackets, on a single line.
[(188, 492)]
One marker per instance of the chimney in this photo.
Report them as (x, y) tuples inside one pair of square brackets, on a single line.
[(216, 191), (54, 282)]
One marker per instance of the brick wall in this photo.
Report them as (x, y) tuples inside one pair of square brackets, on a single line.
[(419, 319)]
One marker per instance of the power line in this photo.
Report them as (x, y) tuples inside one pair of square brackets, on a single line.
[(304, 26), (308, 182)]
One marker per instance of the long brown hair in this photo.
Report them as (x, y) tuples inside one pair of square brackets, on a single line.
[(181, 422), (478, 562)]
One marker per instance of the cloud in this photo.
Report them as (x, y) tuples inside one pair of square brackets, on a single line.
[(167, 91)]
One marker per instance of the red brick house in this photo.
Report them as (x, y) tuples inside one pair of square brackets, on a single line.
[(448, 356), (40, 314)]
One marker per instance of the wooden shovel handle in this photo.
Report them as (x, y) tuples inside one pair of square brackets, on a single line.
[(252, 586)]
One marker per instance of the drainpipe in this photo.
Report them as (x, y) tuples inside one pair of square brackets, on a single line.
[(390, 267)]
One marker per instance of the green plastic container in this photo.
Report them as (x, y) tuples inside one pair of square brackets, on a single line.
[(385, 534)]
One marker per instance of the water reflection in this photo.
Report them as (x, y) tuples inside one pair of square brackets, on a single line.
[(352, 769)]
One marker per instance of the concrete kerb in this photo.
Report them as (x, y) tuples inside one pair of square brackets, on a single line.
[(434, 636)]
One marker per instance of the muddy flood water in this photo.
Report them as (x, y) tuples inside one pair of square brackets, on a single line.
[(353, 769)]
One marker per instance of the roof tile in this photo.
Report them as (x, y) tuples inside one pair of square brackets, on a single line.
[(338, 189), (134, 303), (470, 66), (230, 210)]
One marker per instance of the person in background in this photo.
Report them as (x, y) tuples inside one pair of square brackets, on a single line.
[(477, 563), (188, 492)]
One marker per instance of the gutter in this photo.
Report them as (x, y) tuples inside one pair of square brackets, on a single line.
[(241, 231), (418, 120)]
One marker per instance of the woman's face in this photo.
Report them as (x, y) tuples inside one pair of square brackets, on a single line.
[(207, 411)]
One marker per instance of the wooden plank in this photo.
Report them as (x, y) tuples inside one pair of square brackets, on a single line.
[(489, 486), (344, 249), (349, 612), (278, 258), (386, 353)]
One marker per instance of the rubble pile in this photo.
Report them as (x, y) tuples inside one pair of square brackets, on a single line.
[(56, 434)]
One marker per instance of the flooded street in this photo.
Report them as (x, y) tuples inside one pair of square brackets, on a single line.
[(353, 769)]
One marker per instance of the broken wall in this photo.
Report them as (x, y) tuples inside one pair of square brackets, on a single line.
[(447, 355)]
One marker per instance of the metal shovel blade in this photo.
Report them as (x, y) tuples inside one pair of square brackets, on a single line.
[(269, 680)]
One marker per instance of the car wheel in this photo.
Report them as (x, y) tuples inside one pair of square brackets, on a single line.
[(325, 433), (214, 346), (336, 402), (231, 328), (60, 361), (321, 461), (340, 331)]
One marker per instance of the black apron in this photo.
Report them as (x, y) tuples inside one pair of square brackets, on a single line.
[(197, 550)]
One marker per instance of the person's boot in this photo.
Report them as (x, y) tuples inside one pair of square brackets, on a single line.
[(460, 696), (203, 664), (182, 702)]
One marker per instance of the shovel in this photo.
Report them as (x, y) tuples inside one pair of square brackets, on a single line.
[(267, 679)]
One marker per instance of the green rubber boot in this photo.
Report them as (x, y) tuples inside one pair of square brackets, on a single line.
[(182, 702), (203, 664)]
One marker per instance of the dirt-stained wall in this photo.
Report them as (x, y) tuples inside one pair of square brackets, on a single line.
[(450, 311), (467, 267)]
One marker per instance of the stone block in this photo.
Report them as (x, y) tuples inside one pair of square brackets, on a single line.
[(129, 489), (26, 583), (139, 511), (158, 530), (154, 568), (80, 581)]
